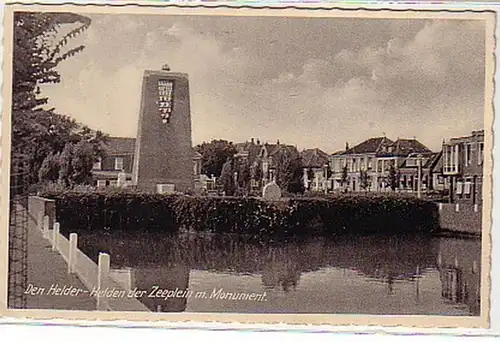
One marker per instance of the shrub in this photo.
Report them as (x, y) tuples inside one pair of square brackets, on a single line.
[(333, 214)]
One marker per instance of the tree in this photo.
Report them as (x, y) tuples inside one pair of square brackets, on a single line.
[(244, 177), (214, 155), (364, 179), (289, 171), (40, 45), (49, 170), (344, 176), (393, 177), (226, 179)]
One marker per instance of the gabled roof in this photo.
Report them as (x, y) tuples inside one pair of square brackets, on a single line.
[(119, 145), (404, 147), (371, 145), (250, 149), (314, 157)]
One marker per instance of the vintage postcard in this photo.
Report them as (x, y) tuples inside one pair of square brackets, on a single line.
[(253, 165)]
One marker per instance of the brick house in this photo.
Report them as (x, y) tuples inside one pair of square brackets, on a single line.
[(119, 158), (315, 162), (463, 159)]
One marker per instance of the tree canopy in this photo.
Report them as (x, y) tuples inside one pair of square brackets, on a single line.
[(214, 155), (40, 44)]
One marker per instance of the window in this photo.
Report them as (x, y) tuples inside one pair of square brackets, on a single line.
[(98, 164), (369, 163), (119, 163), (411, 162), (459, 188), (101, 183), (467, 188), (354, 165), (113, 182), (480, 154), (468, 156)]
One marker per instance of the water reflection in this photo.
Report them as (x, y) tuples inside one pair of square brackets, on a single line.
[(369, 275)]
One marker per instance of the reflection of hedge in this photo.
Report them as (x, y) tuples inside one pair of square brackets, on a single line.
[(328, 215)]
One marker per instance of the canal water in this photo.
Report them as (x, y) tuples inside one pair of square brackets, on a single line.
[(336, 275)]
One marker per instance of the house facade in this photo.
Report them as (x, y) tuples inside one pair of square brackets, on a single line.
[(264, 159), (315, 164), (380, 164), (463, 160)]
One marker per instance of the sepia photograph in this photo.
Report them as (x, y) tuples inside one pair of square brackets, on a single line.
[(248, 162)]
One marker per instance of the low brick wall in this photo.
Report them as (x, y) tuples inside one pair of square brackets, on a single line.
[(460, 217), (41, 206)]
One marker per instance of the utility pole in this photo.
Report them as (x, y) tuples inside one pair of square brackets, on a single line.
[(419, 183)]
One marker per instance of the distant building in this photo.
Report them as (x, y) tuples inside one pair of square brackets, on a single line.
[(315, 163), (366, 166), (264, 160), (119, 159), (119, 156), (463, 159)]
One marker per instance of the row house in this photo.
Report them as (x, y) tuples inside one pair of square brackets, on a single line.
[(367, 166), (118, 161), (463, 161)]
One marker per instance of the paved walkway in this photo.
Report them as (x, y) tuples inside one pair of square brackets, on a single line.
[(46, 269)]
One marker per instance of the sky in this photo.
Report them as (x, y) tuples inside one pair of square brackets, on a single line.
[(309, 82)]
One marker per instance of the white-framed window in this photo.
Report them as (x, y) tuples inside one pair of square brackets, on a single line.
[(370, 160), (98, 164), (118, 163), (480, 154), (101, 183), (467, 187), (468, 154), (459, 188)]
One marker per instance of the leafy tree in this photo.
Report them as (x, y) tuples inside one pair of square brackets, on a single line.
[(244, 176), (289, 171), (40, 45), (226, 179), (49, 171), (364, 179), (214, 156), (393, 177), (344, 176)]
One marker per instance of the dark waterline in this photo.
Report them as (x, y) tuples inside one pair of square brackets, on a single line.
[(410, 274)]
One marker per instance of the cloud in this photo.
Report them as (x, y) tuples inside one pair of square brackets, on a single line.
[(313, 93)]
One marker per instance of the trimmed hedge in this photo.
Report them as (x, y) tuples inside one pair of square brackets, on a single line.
[(334, 214)]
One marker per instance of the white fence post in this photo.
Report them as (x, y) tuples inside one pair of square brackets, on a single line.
[(103, 265), (55, 236), (73, 245), (440, 206), (476, 208), (457, 207), (46, 226)]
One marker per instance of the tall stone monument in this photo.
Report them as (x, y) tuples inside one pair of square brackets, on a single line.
[(163, 149)]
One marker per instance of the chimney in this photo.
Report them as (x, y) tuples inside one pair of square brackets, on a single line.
[(258, 141), (346, 146), (252, 141), (277, 142)]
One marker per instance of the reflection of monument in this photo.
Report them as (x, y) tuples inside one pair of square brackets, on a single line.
[(163, 156)]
